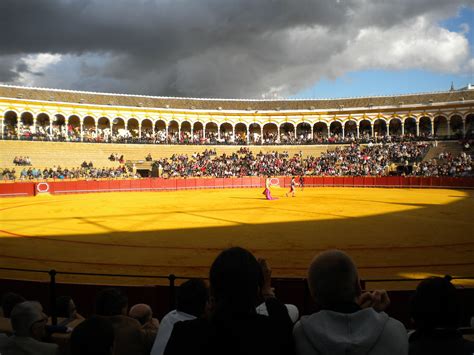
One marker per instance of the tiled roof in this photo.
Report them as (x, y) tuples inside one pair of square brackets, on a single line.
[(228, 104)]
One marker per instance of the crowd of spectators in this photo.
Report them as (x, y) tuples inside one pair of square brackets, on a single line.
[(224, 318), (22, 161), (76, 173), (351, 160), (102, 134), (445, 165), (373, 159), (116, 157)]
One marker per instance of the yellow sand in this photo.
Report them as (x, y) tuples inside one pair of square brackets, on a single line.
[(391, 233)]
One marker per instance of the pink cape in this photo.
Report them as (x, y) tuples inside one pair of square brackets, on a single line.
[(268, 195)]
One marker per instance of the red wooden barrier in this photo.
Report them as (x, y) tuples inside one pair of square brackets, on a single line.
[(156, 184), (20, 189)]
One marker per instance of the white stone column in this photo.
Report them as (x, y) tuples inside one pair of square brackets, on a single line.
[(139, 129), (464, 127), (388, 128), (233, 133), (357, 126), (343, 131), (81, 124), (2, 122), (432, 127), (417, 128), (448, 124), (218, 132), (403, 129), (248, 135)]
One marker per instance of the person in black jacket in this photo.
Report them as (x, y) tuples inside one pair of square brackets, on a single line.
[(237, 281), (436, 312)]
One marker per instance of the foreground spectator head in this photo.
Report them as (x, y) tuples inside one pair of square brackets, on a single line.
[(192, 297), (435, 304), (94, 336), (333, 279), (9, 301), (141, 312), (28, 320), (65, 307), (111, 302), (235, 280)]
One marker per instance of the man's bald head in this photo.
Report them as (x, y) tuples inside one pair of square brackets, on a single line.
[(333, 278), (141, 312)]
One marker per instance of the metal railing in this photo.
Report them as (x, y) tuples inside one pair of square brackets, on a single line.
[(171, 282)]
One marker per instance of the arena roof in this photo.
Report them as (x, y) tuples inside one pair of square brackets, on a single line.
[(82, 97)]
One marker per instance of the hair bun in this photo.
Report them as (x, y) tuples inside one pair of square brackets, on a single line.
[(448, 278)]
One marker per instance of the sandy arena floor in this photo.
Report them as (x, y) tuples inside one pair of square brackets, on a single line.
[(391, 233)]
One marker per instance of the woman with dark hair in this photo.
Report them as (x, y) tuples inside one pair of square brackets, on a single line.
[(237, 281), (436, 312), (66, 311)]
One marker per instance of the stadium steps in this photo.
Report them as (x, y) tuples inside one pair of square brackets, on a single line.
[(64, 154), (451, 147)]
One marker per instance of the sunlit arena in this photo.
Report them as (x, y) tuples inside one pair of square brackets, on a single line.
[(237, 178)]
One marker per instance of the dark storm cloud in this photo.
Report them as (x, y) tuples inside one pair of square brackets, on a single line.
[(236, 48)]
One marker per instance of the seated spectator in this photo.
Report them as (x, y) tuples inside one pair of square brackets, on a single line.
[(192, 299), (436, 313), (94, 336), (66, 310), (144, 315), (129, 336), (349, 322), (9, 301), (233, 326), (29, 327), (149, 157)]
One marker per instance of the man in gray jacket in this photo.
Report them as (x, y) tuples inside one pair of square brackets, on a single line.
[(349, 322)]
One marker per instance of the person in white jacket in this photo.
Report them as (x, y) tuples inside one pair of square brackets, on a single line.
[(348, 322), (191, 304)]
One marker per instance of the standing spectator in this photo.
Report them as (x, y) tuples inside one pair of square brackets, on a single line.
[(233, 326), (348, 322), (191, 304), (436, 312)]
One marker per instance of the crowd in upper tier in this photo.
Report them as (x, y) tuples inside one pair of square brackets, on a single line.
[(149, 136)]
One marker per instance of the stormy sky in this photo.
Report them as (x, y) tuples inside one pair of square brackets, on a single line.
[(223, 48)]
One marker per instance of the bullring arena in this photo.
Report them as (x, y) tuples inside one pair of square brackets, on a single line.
[(403, 217)]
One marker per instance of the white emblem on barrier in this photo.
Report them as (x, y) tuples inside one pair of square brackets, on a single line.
[(274, 182), (42, 187)]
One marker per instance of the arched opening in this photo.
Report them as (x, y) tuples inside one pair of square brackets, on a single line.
[(133, 127), (211, 132), (303, 132), (226, 133), (173, 132), (241, 133), (198, 130), (350, 130), (160, 131), (118, 126), (287, 133), (270, 133), (147, 131), (88, 129), (103, 129), (74, 128), (380, 128), (59, 127), (365, 130), (470, 126), (395, 126), (10, 124), (409, 126), (440, 126), (41, 130), (320, 132), (186, 132), (456, 126), (425, 126), (335, 129)]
